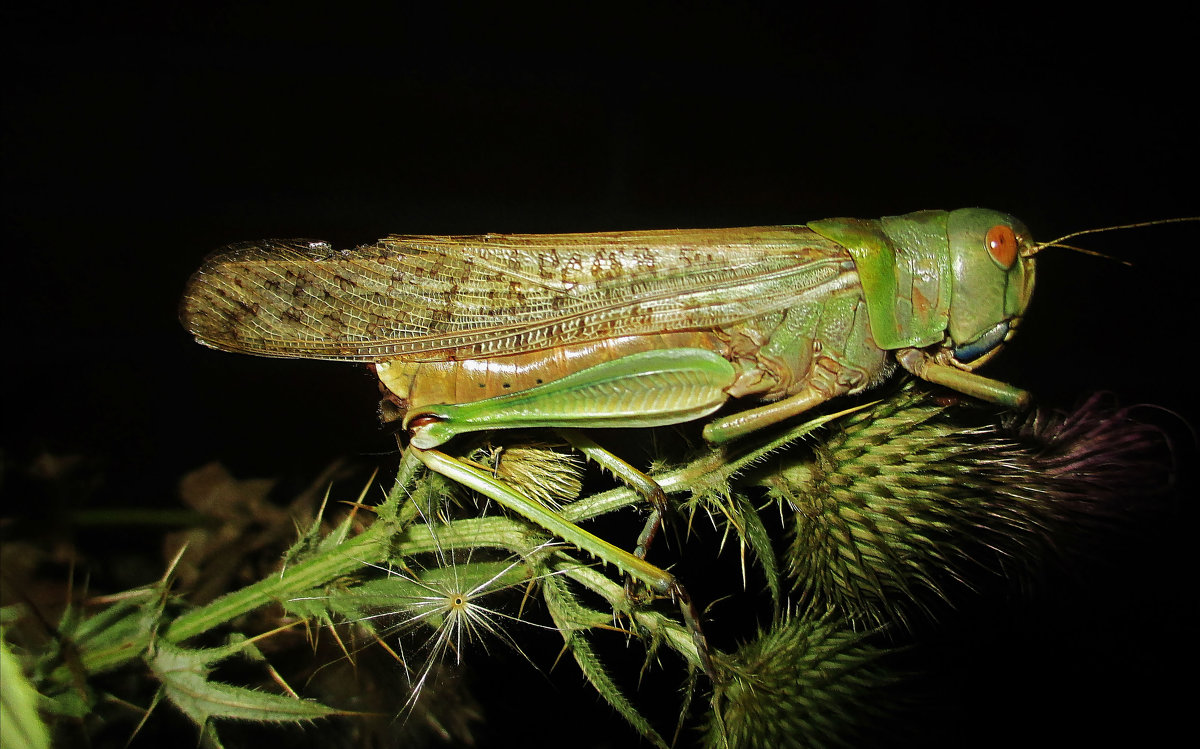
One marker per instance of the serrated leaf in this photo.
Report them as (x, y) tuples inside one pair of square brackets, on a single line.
[(559, 604), (126, 626), (566, 610), (184, 676), (755, 534)]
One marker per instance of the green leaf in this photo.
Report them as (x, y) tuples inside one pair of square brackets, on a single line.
[(69, 703), (115, 635), (184, 675), (755, 534), (566, 613), (20, 725), (209, 738)]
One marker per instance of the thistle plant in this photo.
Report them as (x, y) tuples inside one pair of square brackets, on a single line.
[(912, 497), (889, 512)]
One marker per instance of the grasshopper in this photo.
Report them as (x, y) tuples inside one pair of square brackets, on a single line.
[(621, 329)]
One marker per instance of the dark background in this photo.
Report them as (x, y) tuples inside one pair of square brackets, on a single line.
[(137, 138)]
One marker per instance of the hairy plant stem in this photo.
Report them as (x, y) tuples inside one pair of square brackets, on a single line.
[(369, 547)]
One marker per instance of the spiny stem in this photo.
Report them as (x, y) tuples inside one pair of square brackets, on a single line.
[(371, 546)]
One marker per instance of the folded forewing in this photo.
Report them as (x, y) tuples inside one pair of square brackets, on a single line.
[(430, 297)]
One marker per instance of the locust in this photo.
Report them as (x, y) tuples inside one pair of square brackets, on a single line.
[(630, 329)]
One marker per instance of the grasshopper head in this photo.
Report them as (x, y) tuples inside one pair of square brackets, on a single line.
[(992, 266)]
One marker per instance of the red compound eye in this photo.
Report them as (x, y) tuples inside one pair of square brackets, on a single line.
[(1002, 245)]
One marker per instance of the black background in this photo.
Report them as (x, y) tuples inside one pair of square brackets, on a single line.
[(137, 138)]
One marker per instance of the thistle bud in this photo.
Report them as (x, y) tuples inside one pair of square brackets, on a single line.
[(805, 682), (538, 471), (905, 498)]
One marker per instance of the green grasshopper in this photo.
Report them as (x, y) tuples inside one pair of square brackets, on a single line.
[(629, 329)]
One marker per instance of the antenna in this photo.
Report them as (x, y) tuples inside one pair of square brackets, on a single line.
[(1039, 246)]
